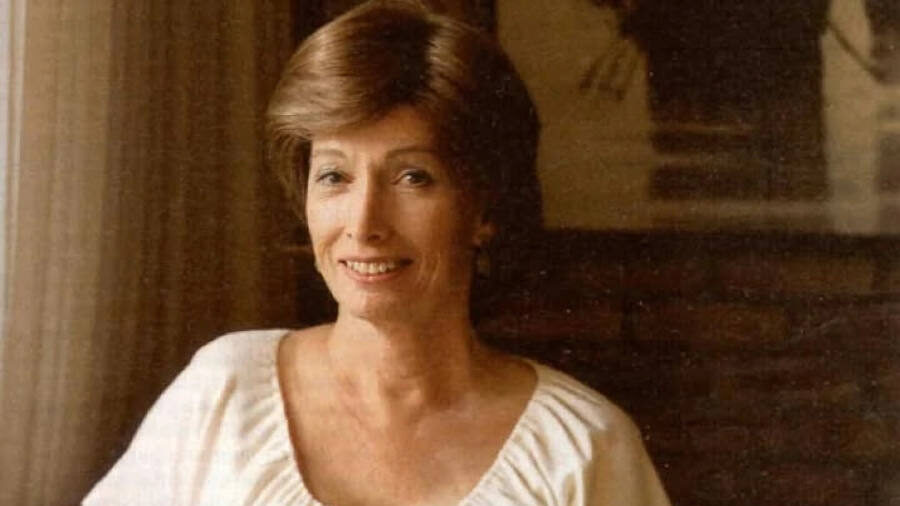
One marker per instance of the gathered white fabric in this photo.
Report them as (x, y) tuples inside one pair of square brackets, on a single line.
[(218, 436)]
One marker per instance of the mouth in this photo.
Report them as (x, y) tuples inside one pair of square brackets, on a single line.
[(374, 269)]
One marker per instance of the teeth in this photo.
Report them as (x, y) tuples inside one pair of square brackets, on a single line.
[(372, 267)]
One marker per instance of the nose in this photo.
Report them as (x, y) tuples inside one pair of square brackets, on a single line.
[(367, 215)]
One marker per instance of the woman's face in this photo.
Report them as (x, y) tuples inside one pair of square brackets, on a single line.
[(391, 230)]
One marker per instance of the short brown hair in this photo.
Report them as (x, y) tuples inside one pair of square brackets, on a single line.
[(388, 53)]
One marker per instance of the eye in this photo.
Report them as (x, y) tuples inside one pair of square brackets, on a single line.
[(330, 177), (415, 177)]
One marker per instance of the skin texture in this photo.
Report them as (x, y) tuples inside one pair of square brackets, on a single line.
[(396, 402)]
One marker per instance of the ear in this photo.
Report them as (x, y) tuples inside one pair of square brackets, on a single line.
[(484, 232)]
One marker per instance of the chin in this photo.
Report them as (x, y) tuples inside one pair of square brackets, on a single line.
[(375, 308)]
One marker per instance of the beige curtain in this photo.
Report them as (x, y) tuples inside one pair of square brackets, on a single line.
[(143, 219)]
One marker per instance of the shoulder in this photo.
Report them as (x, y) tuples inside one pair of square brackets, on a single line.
[(578, 403), (226, 366), (578, 419), (226, 380), (239, 346), (203, 416), (590, 449)]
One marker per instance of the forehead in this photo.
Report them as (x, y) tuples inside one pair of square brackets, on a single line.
[(402, 128)]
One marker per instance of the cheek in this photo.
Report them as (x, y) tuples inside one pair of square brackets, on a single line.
[(321, 216), (320, 225), (450, 239)]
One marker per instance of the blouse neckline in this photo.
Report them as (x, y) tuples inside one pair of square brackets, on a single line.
[(481, 486)]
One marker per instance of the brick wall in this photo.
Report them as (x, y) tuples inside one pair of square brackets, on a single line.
[(763, 369)]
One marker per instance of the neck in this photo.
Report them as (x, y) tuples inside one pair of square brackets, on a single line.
[(396, 370)]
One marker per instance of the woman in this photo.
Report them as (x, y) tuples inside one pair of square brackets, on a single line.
[(407, 142)]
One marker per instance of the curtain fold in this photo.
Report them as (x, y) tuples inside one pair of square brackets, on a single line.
[(145, 222)]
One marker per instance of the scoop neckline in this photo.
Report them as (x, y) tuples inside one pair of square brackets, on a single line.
[(500, 459)]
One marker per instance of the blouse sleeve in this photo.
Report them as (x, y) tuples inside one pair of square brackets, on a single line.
[(623, 474), (165, 462)]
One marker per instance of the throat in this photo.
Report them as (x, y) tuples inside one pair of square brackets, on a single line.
[(390, 397), (398, 378)]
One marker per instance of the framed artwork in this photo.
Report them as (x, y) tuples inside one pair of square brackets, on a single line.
[(742, 114)]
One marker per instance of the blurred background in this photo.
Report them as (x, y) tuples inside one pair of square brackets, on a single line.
[(722, 201)]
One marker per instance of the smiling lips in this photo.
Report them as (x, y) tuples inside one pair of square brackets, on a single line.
[(372, 269)]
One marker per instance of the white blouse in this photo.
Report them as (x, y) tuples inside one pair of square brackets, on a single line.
[(218, 436)]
